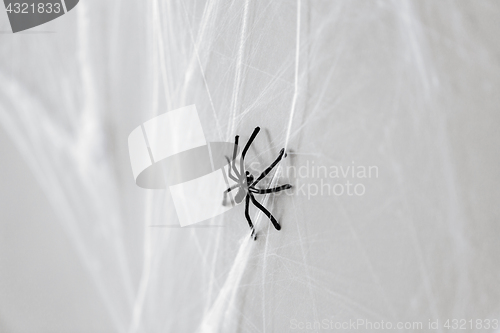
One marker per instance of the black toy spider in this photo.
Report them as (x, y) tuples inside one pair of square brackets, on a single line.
[(246, 183)]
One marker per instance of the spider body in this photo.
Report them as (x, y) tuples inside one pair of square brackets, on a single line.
[(246, 183)]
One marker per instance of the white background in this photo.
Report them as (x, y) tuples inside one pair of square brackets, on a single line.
[(411, 87)]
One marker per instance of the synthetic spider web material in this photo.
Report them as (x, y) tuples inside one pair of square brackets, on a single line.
[(407, 90)]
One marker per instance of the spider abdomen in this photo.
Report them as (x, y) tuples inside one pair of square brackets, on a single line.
[(242, 192)]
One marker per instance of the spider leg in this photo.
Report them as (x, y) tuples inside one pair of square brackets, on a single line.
[(249, 143), (229, 171), (265, 211), (224, 197), (233, 164), (247, 215), (231, 188), (272, 190), (269, 168)]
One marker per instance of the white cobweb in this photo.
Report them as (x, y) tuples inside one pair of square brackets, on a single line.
[(410, 87)]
